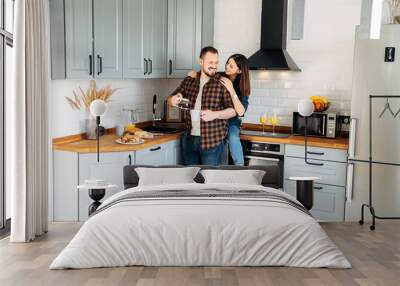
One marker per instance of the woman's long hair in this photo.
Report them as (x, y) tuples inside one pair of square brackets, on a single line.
[(243, 78)]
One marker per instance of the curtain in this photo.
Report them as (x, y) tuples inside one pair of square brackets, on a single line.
[(27, 139)]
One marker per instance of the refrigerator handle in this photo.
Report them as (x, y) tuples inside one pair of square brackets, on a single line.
[(349, 182), (353, 138)]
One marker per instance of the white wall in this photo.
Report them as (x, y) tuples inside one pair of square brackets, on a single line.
[(132, 93), (325, 54)]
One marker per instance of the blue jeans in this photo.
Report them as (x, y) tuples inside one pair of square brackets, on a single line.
[(235, 146), (193, 154)]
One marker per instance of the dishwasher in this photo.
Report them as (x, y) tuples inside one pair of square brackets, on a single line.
[(266, 154)]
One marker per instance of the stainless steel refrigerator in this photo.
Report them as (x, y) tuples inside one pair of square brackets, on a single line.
[(372, 75)]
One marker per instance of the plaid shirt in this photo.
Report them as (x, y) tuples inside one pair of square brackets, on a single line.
[(215, 97)]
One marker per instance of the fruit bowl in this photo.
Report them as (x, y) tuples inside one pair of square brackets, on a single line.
[(321, 104), (322, 108)]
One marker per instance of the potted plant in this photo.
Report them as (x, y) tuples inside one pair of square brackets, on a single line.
[(83, 99)]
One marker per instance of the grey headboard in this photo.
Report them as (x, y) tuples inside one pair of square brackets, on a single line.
[(270, 179)]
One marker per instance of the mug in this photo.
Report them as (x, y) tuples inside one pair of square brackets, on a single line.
[(184, 103), (195, 115)]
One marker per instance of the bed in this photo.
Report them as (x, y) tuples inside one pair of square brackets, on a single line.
[(200, 224)]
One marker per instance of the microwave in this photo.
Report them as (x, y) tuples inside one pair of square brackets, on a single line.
[(319, 124)]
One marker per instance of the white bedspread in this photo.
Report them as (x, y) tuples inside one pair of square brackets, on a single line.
[(200, 231)]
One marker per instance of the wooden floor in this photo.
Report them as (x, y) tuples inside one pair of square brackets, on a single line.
[(375, 257)]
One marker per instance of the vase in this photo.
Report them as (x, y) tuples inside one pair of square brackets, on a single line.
[(90, 127)]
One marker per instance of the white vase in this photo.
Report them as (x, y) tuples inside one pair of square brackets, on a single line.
[(90, 127)]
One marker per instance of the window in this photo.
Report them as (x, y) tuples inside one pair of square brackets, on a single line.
[(6, 66)]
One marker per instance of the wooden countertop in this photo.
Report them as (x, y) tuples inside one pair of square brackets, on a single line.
[(337, 143), (108, 144), (77, 143)]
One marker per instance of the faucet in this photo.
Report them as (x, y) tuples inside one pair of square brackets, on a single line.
[(155, 118)]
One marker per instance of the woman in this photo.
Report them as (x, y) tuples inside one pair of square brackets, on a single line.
[(237, 82)]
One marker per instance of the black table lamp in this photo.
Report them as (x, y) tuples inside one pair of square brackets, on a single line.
[(306, 108), (97, 108)]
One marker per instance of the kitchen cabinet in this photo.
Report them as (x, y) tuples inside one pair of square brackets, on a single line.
[(57, 39), (78, 39), (93, 39), (107, 23), (72, 169), (329, 201), (145, 38), (128, 38), (163, 154), (190, 27), (65, 180), (184, 36), (110, 168), (329, 191)]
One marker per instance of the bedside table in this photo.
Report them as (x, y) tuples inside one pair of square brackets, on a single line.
[(96, 193), (305, 190)]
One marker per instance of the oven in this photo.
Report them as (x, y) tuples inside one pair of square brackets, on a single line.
[(266, 154)]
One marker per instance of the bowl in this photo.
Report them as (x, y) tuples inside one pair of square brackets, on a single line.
[(321, 109)]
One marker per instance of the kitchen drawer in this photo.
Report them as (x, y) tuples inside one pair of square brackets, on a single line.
[(329, 201), (317, 153), (331, 173), (156, 155)]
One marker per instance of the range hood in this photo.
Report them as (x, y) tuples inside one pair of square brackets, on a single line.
[(273, 54)]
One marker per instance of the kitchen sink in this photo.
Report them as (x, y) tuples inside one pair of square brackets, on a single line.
[(161, 129)]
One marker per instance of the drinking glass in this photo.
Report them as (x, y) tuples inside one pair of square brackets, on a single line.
[(263, 120), (274, 121)]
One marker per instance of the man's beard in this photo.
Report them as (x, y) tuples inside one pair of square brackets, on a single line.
[(207, 73)]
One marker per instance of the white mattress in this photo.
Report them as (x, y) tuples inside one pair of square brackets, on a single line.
[(200, 231)]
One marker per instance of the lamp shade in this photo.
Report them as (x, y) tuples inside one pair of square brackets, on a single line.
[(98, 107), (305, 107)]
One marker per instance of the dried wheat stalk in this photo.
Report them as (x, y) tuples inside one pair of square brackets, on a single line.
[(85, 98), (393, 4)]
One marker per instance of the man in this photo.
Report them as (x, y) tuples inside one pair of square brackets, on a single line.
[(210, 107)]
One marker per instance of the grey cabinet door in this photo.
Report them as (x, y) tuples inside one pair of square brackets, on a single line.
[(330, 173), (156, 155), (108, 38), (65, 181), (78, 39), (173, 153), (132, 29), (329, 201), (155, 37), (57, 39), (184, 36), (110, 168)]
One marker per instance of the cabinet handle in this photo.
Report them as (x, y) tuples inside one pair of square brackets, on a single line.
[(99, 64), (170, 67), (262, 158), (315, 153), (90, 65), (145, 66), (314, 164), (130, 159), (349, 182), (155, 149), (151, 66), (353, 138), (318, 188)]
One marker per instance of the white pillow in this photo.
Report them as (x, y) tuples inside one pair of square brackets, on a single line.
[(166, 176), (248, 177)]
